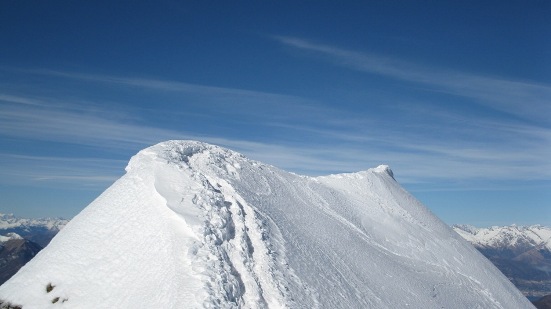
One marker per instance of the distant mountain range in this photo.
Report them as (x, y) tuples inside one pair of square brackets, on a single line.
[(21, 239), (543, 303), (522, 253), (15, 251), (40, 231)]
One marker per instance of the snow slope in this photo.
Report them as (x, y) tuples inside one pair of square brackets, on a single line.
[(191, 225)]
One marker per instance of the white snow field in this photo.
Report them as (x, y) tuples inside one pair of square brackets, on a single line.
[(192, 225)]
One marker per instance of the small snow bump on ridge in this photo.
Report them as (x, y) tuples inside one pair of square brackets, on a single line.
[(383, 168), (172, 151)]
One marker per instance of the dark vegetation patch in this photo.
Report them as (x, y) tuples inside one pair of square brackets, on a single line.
[(6, 305), (49, 287)]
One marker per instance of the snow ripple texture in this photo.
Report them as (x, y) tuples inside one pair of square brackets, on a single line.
[(192, 225)]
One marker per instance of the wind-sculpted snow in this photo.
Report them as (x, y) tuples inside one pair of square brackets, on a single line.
[(193, 225)]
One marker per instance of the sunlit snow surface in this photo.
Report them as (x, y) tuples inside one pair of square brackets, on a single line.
[(193, 225)]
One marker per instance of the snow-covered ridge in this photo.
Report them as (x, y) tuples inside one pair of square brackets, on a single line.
[(192, 225), (506, 236)]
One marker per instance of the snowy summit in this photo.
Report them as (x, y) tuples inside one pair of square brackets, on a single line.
[(192, 225)]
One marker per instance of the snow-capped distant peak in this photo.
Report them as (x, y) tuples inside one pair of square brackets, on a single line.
[(506, 236), (466, 228), (9, 221), (9, 236)]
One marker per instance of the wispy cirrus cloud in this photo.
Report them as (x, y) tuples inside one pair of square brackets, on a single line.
[(185, 98), (222, 94), (521, 98), (20, 100), (98, 130), (329, 140), (40, 170), (76, 127)]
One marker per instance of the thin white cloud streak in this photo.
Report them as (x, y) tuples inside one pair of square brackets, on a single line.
[(183, 97), (343, 146), (417, 161), (75, 127), (528, 100), (224, 94), (20, 100), (516, 152), (508, 142), (95, 130), (76, 172)]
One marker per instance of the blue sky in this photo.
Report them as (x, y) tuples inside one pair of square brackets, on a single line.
[(455, 97)]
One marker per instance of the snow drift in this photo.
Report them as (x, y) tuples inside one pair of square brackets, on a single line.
[(195, 225)]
